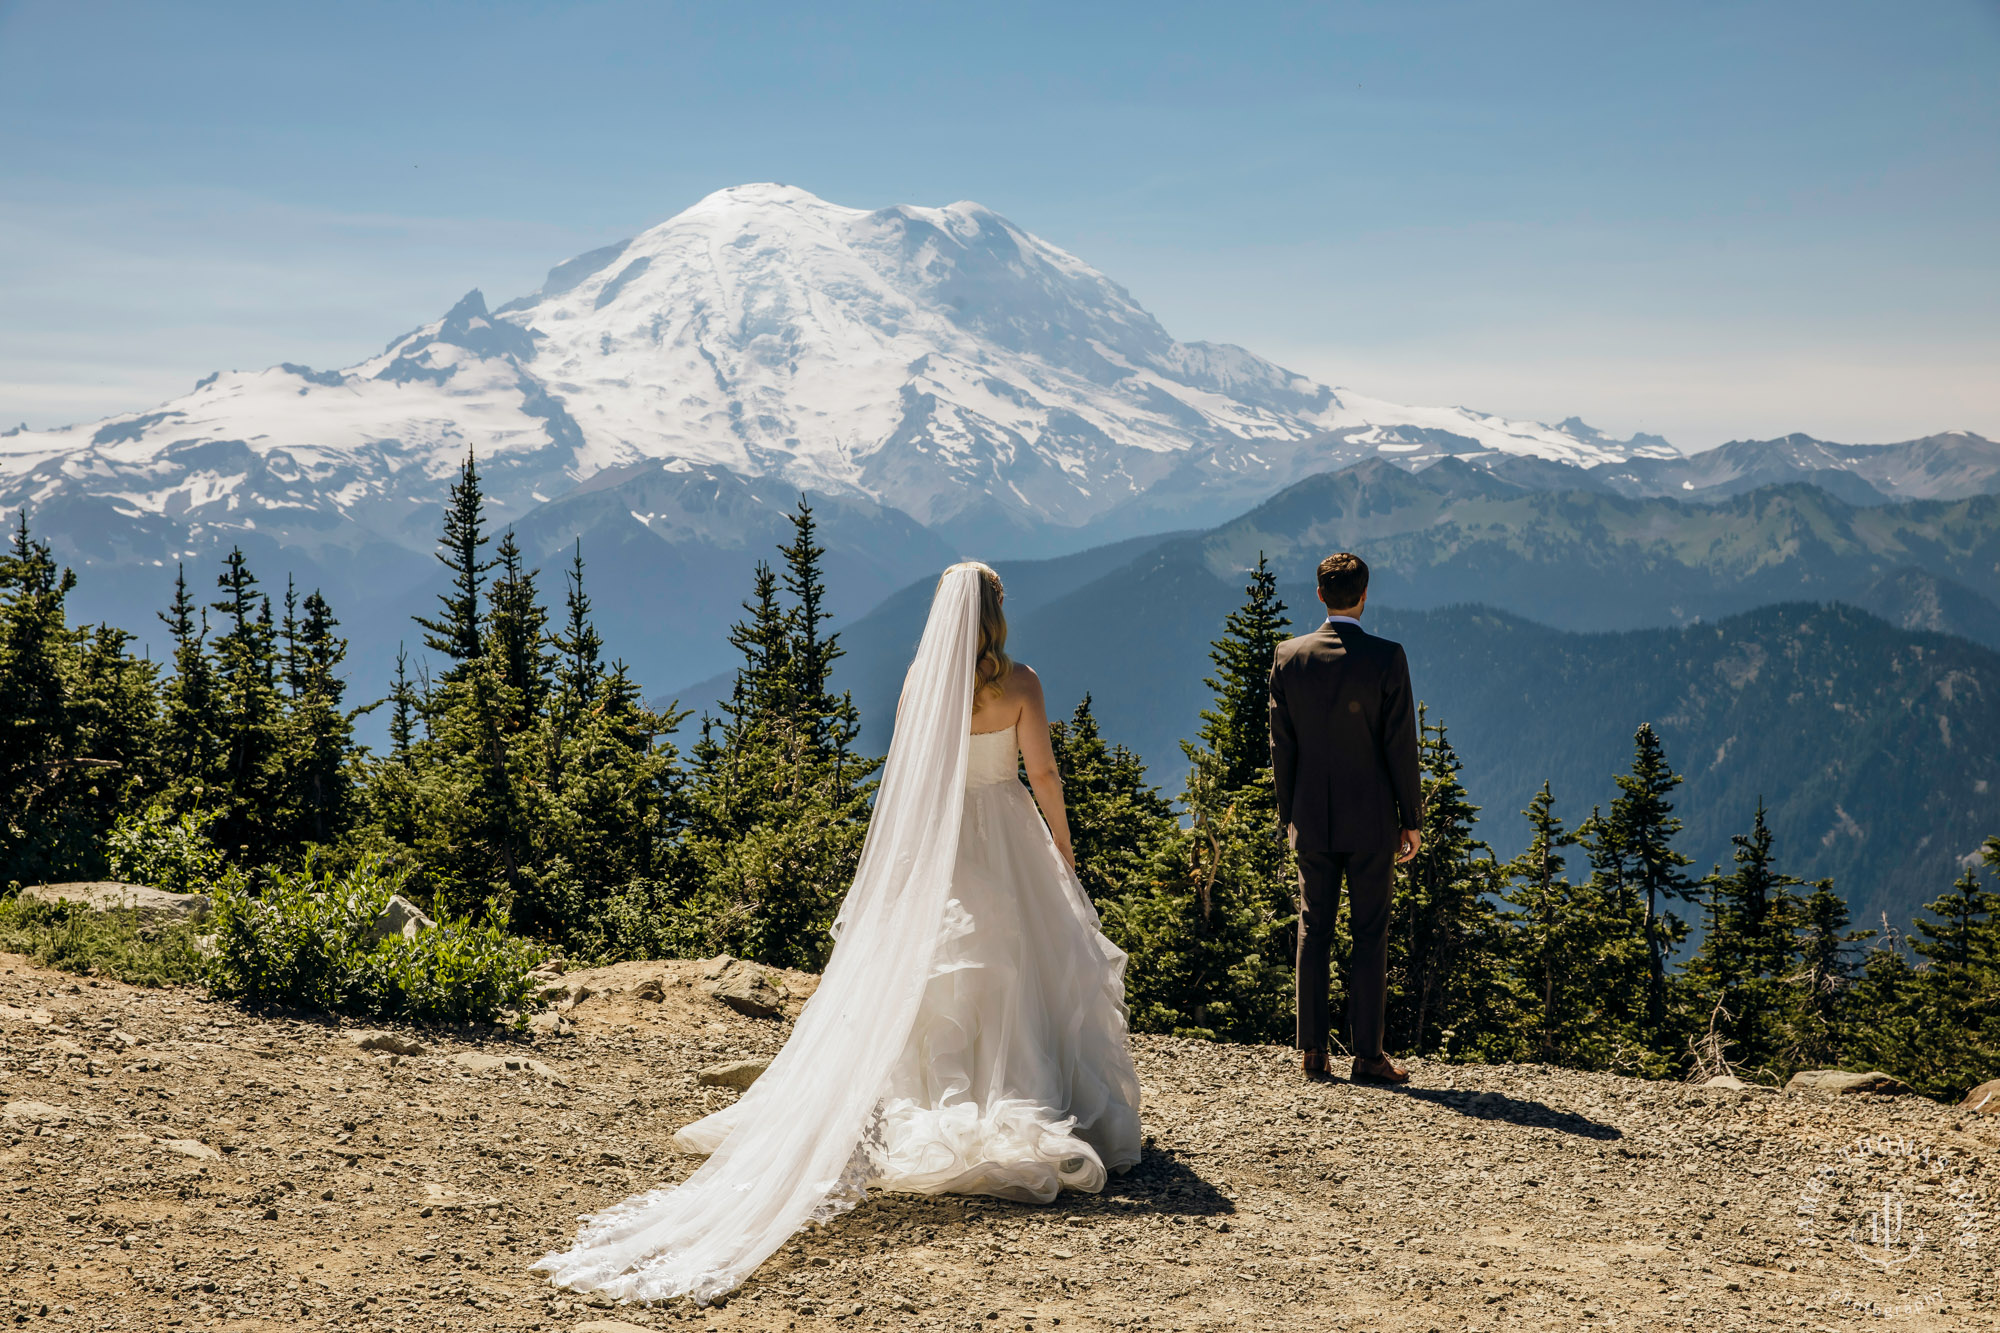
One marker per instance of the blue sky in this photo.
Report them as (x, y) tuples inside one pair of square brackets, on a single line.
[(1708, 221)]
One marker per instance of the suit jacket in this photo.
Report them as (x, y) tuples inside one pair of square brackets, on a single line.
[(1344, 740)]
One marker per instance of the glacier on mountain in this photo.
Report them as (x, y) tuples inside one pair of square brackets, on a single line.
[(939, 361)]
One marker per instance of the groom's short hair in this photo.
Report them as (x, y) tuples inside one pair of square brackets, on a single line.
[(1343, 579)]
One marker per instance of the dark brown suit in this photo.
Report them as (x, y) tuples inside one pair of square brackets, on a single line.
[(1344, 758)]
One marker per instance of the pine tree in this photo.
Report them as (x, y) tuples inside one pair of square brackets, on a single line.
[(1117, 819), (404, 706), (515, 624), (1553, 946), (318, 742), (1740, 972), (1819, 1011), (187, 731), (1212, 933), (1237, 729), (778, 801), (246, 717), (1644, 825), (1956, 994), (1445, 968), (37, 740), (579, 665), (459, 633)]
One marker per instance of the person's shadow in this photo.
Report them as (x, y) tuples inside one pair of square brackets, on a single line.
[(1160, 1183), (1499, 1106)]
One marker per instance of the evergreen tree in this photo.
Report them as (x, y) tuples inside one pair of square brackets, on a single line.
[(1212, 933), (1236, 730), (1643, 824), (1553, 948), (404, 706), (1740, 973), (579, 665), (187, 731), (1955, 996), (37, 733), (828, 723), (1445, 964), (515, 627), (1616, 919), (1819, 1012), (247, 720), (459, 633), (777, 801), (1117, 819), (318, 741)]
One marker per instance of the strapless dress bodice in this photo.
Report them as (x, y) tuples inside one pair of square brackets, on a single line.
[(994, 758)]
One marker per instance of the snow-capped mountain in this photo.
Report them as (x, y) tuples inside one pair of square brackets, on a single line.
[(939, 361)]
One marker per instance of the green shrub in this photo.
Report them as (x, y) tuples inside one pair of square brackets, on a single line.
[(123, 944), (156, 847), (307, 942)]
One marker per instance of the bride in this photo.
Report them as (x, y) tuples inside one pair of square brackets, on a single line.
[(968, 1035)]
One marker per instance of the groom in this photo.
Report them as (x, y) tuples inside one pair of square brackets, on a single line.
[(1344, 758)]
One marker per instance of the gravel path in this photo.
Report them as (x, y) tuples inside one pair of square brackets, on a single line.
[(171, 1163)]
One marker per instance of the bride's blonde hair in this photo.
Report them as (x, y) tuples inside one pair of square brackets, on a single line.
[(989, 674)]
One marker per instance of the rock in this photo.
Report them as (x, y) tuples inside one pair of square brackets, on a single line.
[(1839, 1080), (32, 1111), (1731, 1083), (548, 969), (401, 917), (609, 1326), (103, 895), (388, 1041), (650, 989), (551, 1024), (194, 1148), (750, 991), (479, 1062), (737, 1074), (716, 966), (1984, 1099)]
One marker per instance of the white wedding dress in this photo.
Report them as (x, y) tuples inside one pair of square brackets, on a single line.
[(968, 1037)]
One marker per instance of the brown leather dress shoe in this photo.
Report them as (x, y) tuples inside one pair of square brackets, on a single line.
[(1314, 1065), (1380, 1069)]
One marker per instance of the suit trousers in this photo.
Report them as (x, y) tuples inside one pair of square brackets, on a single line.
[(1368, 876)]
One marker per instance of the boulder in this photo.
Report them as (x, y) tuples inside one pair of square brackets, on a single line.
[(549, 1023), (481, 1063), (387, 1041), (1984, 1099), (738, 1074), (751, 991), (103, 895), (650, 989), (1840, 1081), (402, 917), (194, 1148), (716, 966), (1731, 1083)]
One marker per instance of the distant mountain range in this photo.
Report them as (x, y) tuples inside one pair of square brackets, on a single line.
[(1876, 748)]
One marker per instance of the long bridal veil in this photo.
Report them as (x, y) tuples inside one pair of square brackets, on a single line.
[(797, 1149)]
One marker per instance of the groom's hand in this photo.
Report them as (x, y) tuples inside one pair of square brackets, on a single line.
[(1412, 842)]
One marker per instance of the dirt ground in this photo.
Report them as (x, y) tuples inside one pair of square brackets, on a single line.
[(167, 1162)]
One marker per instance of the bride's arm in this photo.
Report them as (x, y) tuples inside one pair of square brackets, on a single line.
[(1040, 760)]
